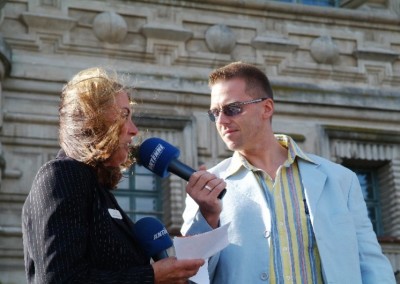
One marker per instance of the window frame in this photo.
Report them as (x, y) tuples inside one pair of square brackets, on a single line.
[(132, 192), (374, 203)]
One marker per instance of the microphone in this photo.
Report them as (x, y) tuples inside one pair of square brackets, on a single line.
[(153, 237), (160, 157)]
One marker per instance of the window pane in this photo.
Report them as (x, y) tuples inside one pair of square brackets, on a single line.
[(325, 3), (139, 193), (371, 213), (317, 2), (365, 179), (145, 183), (124, 202), (140, 216), (369, 186), (146, 204), (142, 170), (124, 183)]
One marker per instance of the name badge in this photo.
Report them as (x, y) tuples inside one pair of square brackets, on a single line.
[(115, 213)]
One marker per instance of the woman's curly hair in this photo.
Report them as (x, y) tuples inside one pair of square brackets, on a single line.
[(86, 133)]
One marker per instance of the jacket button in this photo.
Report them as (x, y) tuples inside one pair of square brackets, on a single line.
[(264, 276), (267, 234)]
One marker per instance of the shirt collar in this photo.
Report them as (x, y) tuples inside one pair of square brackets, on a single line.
[(238, 161)]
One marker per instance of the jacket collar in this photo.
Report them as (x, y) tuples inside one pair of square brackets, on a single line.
[(238, 161)]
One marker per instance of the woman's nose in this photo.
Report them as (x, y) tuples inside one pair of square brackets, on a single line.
[(133, 130)]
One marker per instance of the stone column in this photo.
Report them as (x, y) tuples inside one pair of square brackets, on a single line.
[(5, 68)]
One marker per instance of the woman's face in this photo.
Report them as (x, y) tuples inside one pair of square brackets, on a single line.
[(128, 130)]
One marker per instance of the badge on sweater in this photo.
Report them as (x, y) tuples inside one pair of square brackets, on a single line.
[(115, 213)]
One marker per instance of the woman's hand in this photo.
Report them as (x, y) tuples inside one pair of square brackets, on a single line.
[(170, 270)]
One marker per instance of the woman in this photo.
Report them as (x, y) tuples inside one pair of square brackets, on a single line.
[(74, 231)]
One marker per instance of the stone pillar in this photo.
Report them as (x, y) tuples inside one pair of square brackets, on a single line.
[(5, 68)]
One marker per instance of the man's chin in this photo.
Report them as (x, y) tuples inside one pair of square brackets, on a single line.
[(231, 145)]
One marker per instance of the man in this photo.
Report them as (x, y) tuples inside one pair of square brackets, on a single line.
[(294, 217)]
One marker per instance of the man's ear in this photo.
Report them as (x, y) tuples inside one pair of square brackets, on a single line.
[(268, 108)]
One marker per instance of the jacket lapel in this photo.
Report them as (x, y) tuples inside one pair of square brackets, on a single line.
[(125, 223), (313, 182)]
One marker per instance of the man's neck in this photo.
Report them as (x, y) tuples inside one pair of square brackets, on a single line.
[(269, 157)]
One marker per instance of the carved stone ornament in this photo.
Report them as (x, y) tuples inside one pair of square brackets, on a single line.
[(220, 39), (324, 50), (110, 27)]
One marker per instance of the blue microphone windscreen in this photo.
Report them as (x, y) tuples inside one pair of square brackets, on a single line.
[(156, 154), (152, 236)]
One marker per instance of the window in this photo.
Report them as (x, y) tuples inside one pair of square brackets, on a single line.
[(368, 174), (139, 193), (373, 155), (326, 3), (369, 186), (346, 4)]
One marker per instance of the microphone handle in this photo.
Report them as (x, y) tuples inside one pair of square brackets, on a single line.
[(161, 255), (184, 171), (180, 169)]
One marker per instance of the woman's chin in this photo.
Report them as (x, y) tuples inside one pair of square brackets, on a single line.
[(117, 160)]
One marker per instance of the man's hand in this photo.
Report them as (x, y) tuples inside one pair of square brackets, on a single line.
[(204, 188)]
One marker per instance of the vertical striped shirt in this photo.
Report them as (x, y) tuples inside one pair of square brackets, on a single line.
[(294, 256)]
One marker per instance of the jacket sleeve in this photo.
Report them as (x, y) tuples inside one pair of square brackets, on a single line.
[(375, 267), (55, 221)]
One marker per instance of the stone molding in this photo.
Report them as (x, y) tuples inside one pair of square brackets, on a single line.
[(47, 23), (274, 43), (166, 31), (288, 46), (377, 54)]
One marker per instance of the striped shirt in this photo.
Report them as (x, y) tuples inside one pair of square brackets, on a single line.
[(294, 256)]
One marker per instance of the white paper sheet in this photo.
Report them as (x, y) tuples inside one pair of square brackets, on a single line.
[(202, 246)]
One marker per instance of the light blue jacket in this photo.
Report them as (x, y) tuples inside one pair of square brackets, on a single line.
[(349, 250)]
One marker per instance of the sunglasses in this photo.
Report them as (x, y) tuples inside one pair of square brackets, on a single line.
[(231, 109)]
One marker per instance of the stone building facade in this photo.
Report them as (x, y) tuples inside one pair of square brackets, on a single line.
[(335, 74)]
